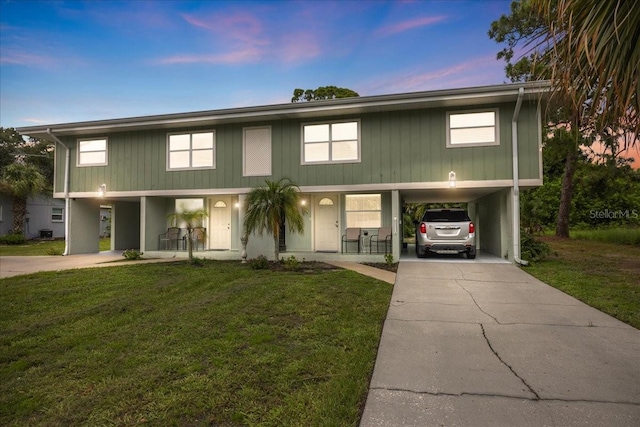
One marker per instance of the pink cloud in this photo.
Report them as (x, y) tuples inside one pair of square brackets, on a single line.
[(232, 57), (455, 75), (13, 57), (242, 38), (410, 25), (295, 47)]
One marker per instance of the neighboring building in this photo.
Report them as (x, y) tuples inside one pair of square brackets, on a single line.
[(356, 160), (45, 217)]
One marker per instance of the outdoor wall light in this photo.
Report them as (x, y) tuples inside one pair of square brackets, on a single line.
[(452, 179), (102, 190), (237, 205), (303, 202)]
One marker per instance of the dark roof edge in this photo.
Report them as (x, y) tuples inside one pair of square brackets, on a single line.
[(536, 88)]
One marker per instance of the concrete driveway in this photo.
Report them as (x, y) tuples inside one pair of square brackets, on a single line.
[(468, 344), (16, 265)]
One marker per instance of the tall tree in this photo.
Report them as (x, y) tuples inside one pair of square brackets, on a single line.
[(269, 206), (523, 29), (20, 181), (322, 93)]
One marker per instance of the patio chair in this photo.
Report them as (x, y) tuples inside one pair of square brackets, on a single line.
[(351, 235), (198, 235), (167, 239), (382, 238)]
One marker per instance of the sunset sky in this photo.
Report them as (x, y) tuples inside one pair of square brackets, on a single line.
[(68, 61)]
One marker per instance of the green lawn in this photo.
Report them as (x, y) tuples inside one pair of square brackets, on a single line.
[(170, 344), (43, 247), (603, 275)]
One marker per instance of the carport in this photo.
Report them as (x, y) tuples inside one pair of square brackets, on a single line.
[(490, 209)]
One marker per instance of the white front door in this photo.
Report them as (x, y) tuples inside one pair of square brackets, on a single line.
[(326, 224), (220, 223)]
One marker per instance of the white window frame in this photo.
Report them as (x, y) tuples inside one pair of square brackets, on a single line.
[(347, 211), (496, 128), (245, 172), (191, 151), (106, 152), (330, 142), (53, 208)]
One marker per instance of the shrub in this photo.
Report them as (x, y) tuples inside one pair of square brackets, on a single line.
[(532, 249), (54, 251), (12, 239), (197, 262), (291, 263), (132, 254), (388, 258), (259, 263)]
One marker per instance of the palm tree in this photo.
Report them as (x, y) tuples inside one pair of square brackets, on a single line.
[(269, 206), (20, 181), (191, 219), (594, 57)]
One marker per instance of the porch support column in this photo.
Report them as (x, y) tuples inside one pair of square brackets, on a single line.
[(125, 226), (396, 224), (143, 224), (84, 226)]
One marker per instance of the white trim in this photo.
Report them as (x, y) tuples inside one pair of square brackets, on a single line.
[(496, 126), (106, 152), (500, 183)]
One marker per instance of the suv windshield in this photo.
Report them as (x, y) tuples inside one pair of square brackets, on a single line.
[(446, 216)]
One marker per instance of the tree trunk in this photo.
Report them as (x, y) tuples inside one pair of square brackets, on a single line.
[(19, 213), (562, 227), (190, 245), (276, 244)]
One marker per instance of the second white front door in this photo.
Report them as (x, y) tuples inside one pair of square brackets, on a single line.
[(326, 223), (220, 223)]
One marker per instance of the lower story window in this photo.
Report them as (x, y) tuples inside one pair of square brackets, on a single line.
[(57, 214), (363, 210)]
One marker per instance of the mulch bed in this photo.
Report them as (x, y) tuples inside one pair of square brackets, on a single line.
[(383, 266)]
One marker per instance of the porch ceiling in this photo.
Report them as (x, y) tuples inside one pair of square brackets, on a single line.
[(446, 195)]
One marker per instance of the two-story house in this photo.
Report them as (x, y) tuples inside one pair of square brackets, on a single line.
[(356, 160)]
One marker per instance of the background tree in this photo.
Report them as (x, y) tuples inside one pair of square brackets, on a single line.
[(191, 219), (20, 181), (15, 149), (269, 206), (322, 93)]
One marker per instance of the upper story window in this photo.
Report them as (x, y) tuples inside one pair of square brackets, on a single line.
[(92, 152), (331, 142), (473, 128), (191, 150)]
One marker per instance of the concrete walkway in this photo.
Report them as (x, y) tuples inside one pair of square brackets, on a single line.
[(16, 265), (489, 345)]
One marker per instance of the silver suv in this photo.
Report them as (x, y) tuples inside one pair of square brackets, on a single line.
[(445, 231)]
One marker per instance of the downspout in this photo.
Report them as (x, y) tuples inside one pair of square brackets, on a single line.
[(516, 186), (67, 165)]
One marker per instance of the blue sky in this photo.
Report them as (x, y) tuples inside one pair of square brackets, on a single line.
[(68, 61)]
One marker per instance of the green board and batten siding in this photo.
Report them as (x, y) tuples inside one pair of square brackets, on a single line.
[(396, 147)]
